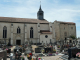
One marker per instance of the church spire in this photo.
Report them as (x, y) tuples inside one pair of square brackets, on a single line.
[(40, 7), (40, 13)]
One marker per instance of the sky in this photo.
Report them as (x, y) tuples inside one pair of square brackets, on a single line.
[(60, 10)]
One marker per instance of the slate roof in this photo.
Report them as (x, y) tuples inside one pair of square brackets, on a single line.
[(21, 20)]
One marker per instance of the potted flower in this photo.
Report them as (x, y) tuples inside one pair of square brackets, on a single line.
[(42, 50), (39, 58), (50, 54), (58, 46), (78, 55), (28, 56), (54, 51), (22, 57)]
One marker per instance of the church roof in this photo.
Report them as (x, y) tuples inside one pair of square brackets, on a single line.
[(21, 20), (66, 22), (45, 32)]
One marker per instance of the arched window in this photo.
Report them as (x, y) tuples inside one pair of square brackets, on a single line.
[(18, 30), (65, 33), (4, 32), (31, 32)]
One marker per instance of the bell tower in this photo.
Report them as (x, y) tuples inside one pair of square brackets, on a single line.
[(40, 14)]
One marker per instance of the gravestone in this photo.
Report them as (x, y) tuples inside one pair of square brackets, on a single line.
[(38, 50), (11, 56), (20, 50), (78, 44), (28, 50), (46, 50), (3, 54), (56, 47), (72, 52)]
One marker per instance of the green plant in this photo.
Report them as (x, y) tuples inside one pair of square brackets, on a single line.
[(58, 46), (73, 37)]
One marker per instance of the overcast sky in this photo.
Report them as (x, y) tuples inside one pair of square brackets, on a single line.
[(60, 10)]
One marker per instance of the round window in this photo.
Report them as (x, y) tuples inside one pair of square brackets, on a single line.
[(46, 36)]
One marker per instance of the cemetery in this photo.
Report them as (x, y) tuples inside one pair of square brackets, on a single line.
[(30, 51)]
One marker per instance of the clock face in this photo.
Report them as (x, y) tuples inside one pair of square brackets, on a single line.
[(41, 14)]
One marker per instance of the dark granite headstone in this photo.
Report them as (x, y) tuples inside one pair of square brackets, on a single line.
[(72, 52), (15, 50), (47, 50), (20, 50), (37, 50)]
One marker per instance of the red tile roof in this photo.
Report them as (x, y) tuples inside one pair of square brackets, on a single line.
[(45, 32), (22, 20), (66, 22)]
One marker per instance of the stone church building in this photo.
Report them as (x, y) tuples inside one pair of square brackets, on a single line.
[(18, 31)]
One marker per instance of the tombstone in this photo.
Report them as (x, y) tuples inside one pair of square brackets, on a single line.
[(78, 43), (3, 54), (9, 43), (11, 56), (27, 51), (20, 50), (46, 50), (72, 52), (55, 47), (15, 50), (38, 50)]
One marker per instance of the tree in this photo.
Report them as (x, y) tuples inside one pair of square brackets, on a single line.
[(73, 37)]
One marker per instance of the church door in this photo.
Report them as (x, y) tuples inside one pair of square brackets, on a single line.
[(18, 42)]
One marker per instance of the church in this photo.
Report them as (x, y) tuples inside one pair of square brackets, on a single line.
[(18, 31)]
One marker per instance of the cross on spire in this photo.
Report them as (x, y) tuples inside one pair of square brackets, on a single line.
[(40, 7)]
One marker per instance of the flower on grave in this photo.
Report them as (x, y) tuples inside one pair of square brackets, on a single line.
[(6, 49), (42, 50), (22, 57), (40, 58), (28, 55), (54, 50), (58, 46), (78, 55)]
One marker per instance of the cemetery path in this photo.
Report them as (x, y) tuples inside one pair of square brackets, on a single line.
[(46, 58), (52, 58), (12, 48)]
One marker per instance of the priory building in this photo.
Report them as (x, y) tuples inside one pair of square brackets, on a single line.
[(18, 31)]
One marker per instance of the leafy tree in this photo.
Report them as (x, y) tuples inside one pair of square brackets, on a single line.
[(73, 37)]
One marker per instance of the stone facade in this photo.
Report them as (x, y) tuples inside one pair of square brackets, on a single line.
[(24, 35), (64, 30)]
